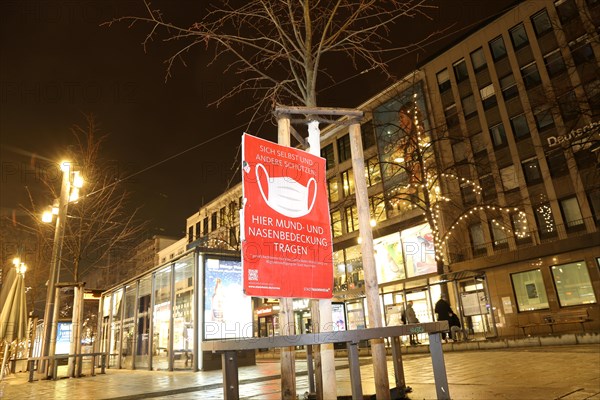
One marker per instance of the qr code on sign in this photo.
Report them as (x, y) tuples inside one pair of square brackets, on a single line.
[(252, 274)]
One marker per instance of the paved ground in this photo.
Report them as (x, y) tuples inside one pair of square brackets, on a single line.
[(551, 372)]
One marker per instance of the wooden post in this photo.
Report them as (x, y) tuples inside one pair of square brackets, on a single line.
[(382, 386), (286, 311)]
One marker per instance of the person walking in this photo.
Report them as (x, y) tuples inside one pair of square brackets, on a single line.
[(411, 318), (443, 311)]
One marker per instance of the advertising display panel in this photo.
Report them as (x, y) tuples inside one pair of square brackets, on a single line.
[(388, 258), (338, 311), (286, 233), (419, 251), (227, 311)]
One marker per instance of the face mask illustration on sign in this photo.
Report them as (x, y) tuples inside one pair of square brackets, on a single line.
[(286, 196)]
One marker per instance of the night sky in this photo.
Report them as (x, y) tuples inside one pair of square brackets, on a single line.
[(57, 64)]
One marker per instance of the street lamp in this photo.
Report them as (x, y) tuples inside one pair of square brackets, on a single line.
[(69, 190)]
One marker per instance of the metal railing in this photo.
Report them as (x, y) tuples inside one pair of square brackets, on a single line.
[(229, 348), (34, 364)]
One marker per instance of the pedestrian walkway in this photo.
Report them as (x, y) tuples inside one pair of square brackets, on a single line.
[(551, 372)]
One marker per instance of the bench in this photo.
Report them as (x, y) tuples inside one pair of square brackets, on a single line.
[(564, 317)]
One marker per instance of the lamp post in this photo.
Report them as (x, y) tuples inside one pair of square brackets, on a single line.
[(48, 345)]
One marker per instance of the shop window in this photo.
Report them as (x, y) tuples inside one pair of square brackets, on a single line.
[(509, 178), (541, 23), (367, 134), (581, 50), (336, 223), (372, 171), (451, 115), (519, 127), (477, 239), (497, 48), (544, 220), (143, 322), (555, 64), (469, 107), (460, 70), (488, 187), (566, 10), (568, 106), (531, 171), (478, 59), (162, 318), (530, 291), (498, 135), (531, 76), (571, 213), (499, 238), (327, 154), (509, 87), (443, 80), (333, 190), (459, 149), (543, 119), (518, 36), (351, 218), (348, 182), (488, 96), (183, 322), (343, 147), (573, 284), (557, 163)]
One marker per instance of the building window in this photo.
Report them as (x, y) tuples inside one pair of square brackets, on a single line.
[(498, 135), (478, 60), (568, 106), (543, 119), (571, 212), (581, 50), (541, 23), (205, 226), (451, 115), (468, 194), (555, 64), (594, 200), (351, 218), (531, 171), (198, 230), (377, 209), (443, 80), (477, 239), (348, 182), (373, 171), (469, 107), (519, 227), (477, 143), (367, 135), (333, 190), (545, 220), (459, 149), (499, 239), (519, 127), (222, 216), (509, 87), (190, 234), (488, 187), (530, 291), (566, 10), (573, 284), (557, 163), (518, 36), (213, 221), (327, 154), (460, 70), (509, 178), (497, 48), (488, 96), (336, 223), (531, 76), (343, 145), (592, 92)]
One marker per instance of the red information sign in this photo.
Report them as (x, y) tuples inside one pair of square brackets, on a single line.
[(286, 233)]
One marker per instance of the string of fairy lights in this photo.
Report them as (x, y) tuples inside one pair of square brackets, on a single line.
[(429, 176)]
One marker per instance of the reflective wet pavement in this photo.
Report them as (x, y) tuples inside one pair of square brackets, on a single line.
[(551, 372)]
